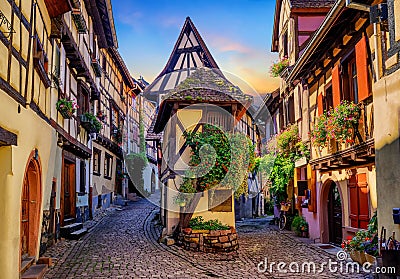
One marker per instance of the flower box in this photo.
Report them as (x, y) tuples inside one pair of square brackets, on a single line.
[(66, 108), (90, 123), (66, 114)]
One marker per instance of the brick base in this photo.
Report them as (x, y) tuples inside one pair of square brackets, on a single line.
[(209, 241)]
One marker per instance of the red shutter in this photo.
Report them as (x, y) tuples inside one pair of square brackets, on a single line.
[(362, 69), (320, 104), (353, 201), (336, 86), (312, 186), (363, 204)]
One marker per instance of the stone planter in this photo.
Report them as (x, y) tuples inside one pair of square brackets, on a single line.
[(209, 241), (358, 256)]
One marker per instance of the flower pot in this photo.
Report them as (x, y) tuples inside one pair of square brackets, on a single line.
[(355, 256), (66, 114), (363, 258), (369, 258)]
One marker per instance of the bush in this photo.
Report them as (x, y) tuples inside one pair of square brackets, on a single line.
[(198, 223), (299, 224)]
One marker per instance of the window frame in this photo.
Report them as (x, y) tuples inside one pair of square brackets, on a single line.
[(96, 152), (108, 162)]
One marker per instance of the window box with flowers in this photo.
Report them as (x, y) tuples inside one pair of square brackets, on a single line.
[(338, 124), (278, 67), (66, 107), (90, 123), (101, 115)]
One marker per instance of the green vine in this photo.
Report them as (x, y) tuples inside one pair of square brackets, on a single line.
[(218, 159), (279, 163)]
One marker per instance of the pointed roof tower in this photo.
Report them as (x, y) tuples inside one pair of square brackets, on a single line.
[(189, 53)]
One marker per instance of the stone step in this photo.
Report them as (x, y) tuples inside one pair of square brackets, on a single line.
[(26, 263), (35, 272), (67, 230), (69, 221), (78, 234)]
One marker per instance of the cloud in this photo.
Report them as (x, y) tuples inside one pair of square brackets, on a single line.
[(225, 44)]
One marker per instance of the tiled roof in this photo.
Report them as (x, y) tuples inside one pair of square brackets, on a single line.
[(207, 85), (312, 3), (151, 135)]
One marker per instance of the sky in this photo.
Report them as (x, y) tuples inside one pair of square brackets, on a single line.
[(238, 34)]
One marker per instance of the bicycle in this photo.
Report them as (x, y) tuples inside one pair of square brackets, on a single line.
[(285, 206)]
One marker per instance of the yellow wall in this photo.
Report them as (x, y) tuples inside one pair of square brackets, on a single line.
[(387, 147), (32, 133)]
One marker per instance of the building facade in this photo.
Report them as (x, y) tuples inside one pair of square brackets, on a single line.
[(335, 190), (52, 52)]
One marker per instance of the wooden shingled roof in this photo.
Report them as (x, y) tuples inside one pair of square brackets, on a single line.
[(207, 85)]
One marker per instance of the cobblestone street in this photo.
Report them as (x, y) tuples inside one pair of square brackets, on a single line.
[(124, 245)]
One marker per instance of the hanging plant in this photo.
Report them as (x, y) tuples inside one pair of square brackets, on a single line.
[(66, 107), (278, 67)]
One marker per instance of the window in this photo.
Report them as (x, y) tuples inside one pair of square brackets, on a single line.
[(40, 61), (114, 119), (108, 161), (82, 186), (290, 110), (104, 63), (96, 161), (328, 98), (350, 82), (83, 98), (359, 201), (285, 45)]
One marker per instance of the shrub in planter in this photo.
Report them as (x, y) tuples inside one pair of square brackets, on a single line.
[(198, 223), (66, 107), (300, 225)]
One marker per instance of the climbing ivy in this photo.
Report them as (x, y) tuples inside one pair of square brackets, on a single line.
[(218, 159)]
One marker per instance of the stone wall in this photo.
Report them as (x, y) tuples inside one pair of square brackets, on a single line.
[(209, 241)]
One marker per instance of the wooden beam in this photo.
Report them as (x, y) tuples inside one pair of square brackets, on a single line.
[(7, 138)]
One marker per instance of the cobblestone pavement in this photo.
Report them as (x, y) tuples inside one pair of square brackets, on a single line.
[(124, 245)]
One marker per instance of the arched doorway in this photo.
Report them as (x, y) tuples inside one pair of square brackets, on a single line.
[(30, 209), (334, 213)]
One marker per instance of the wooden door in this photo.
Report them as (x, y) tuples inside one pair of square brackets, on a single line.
[(25, 219), (30, 210), (335, 215), (68, 191)]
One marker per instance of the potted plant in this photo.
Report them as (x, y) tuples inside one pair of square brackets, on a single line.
[(300, 226), (66, 107), (278, 67), (90, 123)]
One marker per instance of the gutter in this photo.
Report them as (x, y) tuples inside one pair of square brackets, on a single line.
[(317, 38)]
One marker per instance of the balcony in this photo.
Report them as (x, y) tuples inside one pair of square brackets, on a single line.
[(98, 70), (359, 151), (79, 21)]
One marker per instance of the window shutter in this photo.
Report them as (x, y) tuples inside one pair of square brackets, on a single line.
[(363, 203), (353, 200), (336, 86), (362, 69), (320, 103)]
